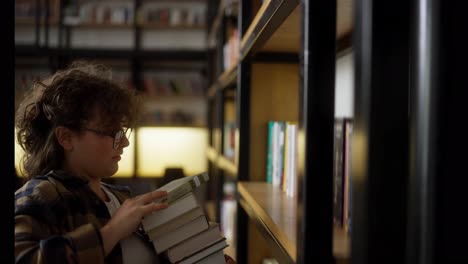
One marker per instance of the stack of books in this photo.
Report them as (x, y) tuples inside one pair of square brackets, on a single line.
[(181, 232)]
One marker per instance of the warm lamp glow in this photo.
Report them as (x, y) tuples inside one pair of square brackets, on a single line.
[(162, 147), (125, 164), (158, 149)]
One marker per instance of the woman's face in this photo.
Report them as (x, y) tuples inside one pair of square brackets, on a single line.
[(93, 153)]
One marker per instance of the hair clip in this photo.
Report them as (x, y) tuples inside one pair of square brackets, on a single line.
[(47, 111)]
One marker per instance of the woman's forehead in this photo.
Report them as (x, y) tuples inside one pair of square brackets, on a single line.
[(104, 120)]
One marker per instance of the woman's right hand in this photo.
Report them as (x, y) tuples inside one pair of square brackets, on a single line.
[(127, 218)]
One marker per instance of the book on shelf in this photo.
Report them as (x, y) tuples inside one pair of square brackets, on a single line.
[(341, 173), (281, 167), (338, 172), (178, 235), (207, 251), (347, 217), (176, 222), (290, 167), (194, 244), (183, 205), (269, 168), (275, 152), (178, 188)]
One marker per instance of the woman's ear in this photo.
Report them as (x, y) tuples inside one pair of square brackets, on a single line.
[(64, 137)]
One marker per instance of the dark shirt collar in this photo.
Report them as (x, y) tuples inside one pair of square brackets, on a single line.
[(67, 177)]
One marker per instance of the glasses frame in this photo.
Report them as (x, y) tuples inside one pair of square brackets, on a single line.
[(116, 136)]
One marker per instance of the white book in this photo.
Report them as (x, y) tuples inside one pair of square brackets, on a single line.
[(215, 258), (176, 222), (195, 243), (179, 207), (178, 188), (205, 252), (180, 234)]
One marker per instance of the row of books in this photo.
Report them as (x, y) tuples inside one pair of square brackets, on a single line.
[(281, 164), (108, 12), (181, 232), (229, 140), (228, 211), (342, 173), (171, 16), (174, 117), (165, 85), (123, 12)]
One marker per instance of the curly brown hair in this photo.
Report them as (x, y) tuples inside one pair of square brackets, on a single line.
[(69, 98)]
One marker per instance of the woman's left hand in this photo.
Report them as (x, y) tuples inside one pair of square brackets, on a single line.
[(229, 260)]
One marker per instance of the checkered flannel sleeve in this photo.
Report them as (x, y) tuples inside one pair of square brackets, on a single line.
[(38, 235)]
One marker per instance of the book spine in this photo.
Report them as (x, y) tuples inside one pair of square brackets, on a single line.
[(270, 153), (338, 171), (179, 192), (282, 131), (286, 159)]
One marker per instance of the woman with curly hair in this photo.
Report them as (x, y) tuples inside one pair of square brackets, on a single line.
[(73, 128)]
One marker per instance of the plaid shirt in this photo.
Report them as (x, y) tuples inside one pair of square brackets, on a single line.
[(58, 220)]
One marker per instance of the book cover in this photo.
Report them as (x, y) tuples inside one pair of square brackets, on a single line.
[(270, 152), (179, 234), (179, 207), (338, 172), (291, 176), (194, 244), (176, 222), (280, 161), (215, 258), (178, 188)]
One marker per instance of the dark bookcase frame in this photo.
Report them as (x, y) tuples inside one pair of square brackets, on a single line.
[(408, 152)]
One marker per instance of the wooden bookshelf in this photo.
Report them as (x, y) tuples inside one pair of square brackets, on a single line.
[(268, 89), (276, 27), (152, 26), (103, 26), (227, 165), (31, 21), (276, 214), (211, 154), (267, 20), (228, 77), (225, 80), (300, 230)]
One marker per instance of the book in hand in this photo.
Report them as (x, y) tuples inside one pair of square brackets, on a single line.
[(178, 188), (215, 258), (162, 243), (207, 251), (183, 205), (194, 244), (176, 222)]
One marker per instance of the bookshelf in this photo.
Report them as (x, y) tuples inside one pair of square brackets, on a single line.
[(405, 163), (269, 81), (113, 32)]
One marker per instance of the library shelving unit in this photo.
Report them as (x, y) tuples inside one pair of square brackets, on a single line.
[(120, 33), (273, 78), (408, 177)]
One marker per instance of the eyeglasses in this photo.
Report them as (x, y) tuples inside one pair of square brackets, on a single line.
[(117, 135)]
